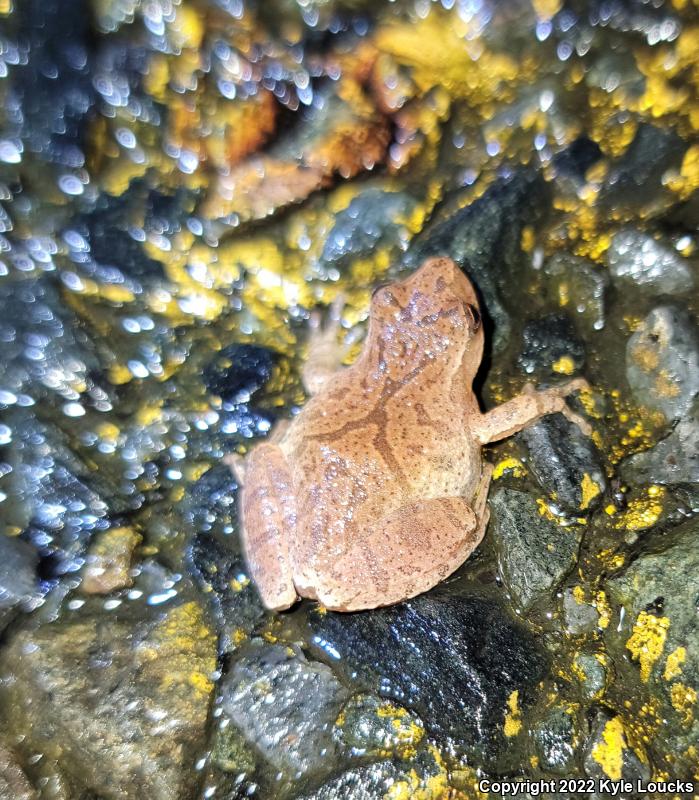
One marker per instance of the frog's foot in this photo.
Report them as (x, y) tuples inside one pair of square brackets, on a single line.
[(325, 353), (560, 393), (527, 408)]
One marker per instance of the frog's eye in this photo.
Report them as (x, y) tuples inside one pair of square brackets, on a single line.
[(475, 315)]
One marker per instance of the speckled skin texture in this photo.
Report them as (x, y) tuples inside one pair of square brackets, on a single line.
[(377, 490)]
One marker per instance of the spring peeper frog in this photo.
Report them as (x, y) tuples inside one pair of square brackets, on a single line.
[(377, 489)]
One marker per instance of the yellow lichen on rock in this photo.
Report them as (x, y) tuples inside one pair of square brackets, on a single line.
[(674, 662), (609, 753), (513, 716), (647, 641)]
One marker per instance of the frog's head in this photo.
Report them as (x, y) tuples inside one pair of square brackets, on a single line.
[(434, 313)]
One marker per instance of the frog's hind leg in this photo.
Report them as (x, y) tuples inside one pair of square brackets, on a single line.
[(268, 520), (406, 553)]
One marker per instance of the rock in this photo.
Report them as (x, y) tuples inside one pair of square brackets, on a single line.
[(375, 218), (593, 671), (108, 561), (222, 576), (106, 229), (18, 579), (551, 345), (455, 661), (484, 238), (662, 361), (580, 617), (577, 158), (556, 740), (371, 782), (369, 726), (61, 354), (424, 776), (13, 782), (636, 177), (210, 503), (121, 704), (239, 370), (609, 754), (579, 285), (566, 463), (637, 258), (673, 460), (54, 85), (655, 645), (273, 694), (534, 553)]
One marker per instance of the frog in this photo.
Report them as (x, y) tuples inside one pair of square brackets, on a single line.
[(376, 491)]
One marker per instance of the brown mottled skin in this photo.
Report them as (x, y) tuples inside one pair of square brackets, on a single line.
[(377, 490)]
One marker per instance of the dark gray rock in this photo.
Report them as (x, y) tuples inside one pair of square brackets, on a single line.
[(575, 160), (484, 239), (374, 218), (121, 704), (274, 695), (54, 84), (454, 660), (656, 641), (223, 577), (209, 504), (579, 284), (548, 339), (239, 370), (18, 579), (636, 258), (662, 361), (46, 351), (534, 553), (422, 776), (566, 463), (556, 740), (635, 179), (673, 460)]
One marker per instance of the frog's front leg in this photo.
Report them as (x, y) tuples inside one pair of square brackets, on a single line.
[(268, 506), (527, 408), (325, 353)]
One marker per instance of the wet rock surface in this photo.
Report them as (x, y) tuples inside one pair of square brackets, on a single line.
[(566, 463), (273, 694), (675, 459), (548, 341), (238, 371), (662, 361), (579, 284), (447, 652), (140, 737), (534, 553), (556, 740), (182, 186), (18, 578), (635, 256), (222, 575), (658, 633)]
